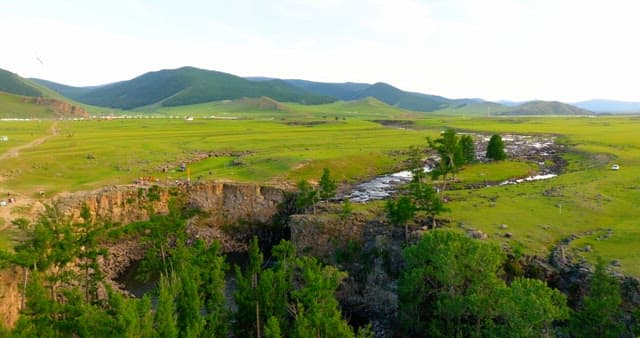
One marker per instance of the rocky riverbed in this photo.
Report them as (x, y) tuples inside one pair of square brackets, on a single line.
[(539, 149)]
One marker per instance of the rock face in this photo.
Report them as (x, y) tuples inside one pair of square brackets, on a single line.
[(231, 214), (10, 296), (58, 108), (369, 250), (224, 203), (232, 203)]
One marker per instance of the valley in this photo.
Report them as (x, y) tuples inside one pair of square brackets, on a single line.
[(234, 166)]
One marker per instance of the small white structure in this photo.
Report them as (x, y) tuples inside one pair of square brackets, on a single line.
[(615, 167), (4, 138)]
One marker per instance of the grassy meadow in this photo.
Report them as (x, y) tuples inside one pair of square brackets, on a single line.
[(93, 153), (280, 143)]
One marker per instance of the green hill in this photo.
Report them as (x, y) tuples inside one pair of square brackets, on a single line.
[(406, 100), (14, 84), (64, 90), (483, 108), (545, 108), (384, 92), (344, 91), (184, 86)]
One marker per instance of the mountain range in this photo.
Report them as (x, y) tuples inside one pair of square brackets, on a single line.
[(189, 85)]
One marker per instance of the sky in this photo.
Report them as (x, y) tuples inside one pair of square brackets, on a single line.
[(565, 50)]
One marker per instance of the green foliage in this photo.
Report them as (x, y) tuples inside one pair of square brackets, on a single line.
[(468, 148), (451, 157), (450, 288), (307, 196), (347, 209), (166, 317), (529, 307), (495, 148), (327, 185), (400, 211), (426, 199), (272, 328), (293, 298), (600, 313)]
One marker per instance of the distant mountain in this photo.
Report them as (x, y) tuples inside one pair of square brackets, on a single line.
[(609, 106), (344, 91), (184, 86), (64, 90), (545, 108), (509, 103), (14, 84), (381, 91)]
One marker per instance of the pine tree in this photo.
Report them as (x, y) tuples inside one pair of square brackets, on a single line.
[(468, 149), (495, 148), (400, 211), (328, 186), (272, 328), (307, 196), (600, 312), (165, 318), (451, 159)]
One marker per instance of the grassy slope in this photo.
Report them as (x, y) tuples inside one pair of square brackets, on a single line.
[(473, 109), (367, 108), (14, 106), (14, 84)]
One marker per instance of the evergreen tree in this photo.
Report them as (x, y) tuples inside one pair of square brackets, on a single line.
[(272, 328), (190, 322), (495, 148), (451, 158), (296, 297), (529, 307), (451, 288), (347, 209), (307, 196), (425, 199), (600, 313), (468, 149), (247, 297), (400, 211), (165, 317), (328, 186)]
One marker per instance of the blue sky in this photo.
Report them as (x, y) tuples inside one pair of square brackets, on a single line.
[(564, 50)]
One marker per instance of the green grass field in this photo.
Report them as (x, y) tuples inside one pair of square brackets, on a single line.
[(90, 154), (277, 143)]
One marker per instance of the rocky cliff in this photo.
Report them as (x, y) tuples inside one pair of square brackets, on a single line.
[(231, 213), (223, 203)]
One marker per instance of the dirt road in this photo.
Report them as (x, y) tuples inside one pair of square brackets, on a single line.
[(15, 151)]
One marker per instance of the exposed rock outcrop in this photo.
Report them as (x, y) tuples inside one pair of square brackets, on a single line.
[(58, 107), (224, 203), (10, 296)]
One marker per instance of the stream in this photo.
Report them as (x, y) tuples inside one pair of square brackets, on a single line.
[(536, 149)]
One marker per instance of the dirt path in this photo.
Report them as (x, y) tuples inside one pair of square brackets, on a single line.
[(22, 202), (15, 151)]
